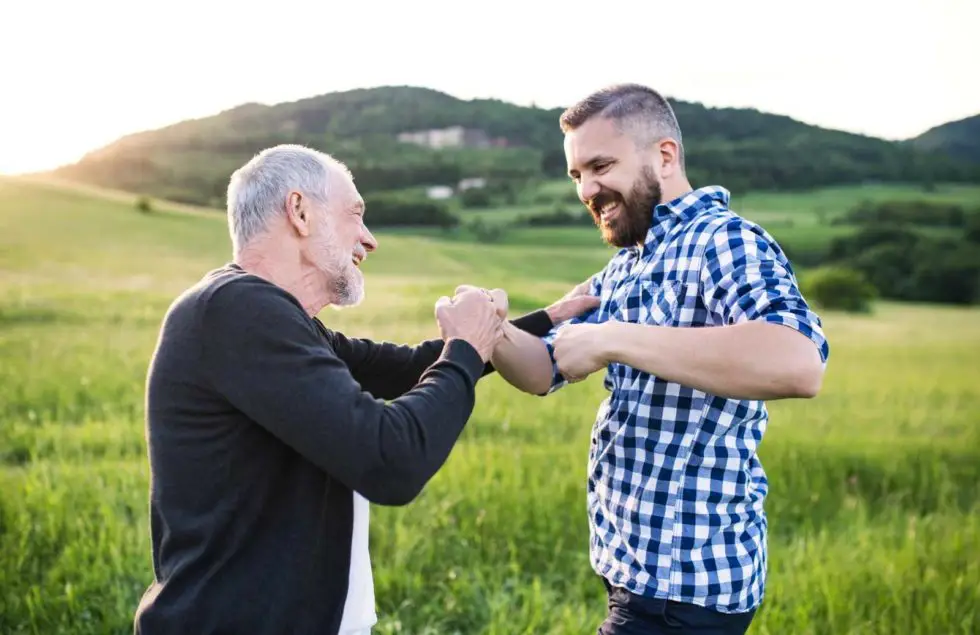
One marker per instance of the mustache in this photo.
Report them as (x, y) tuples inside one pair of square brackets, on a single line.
[(597, 202)]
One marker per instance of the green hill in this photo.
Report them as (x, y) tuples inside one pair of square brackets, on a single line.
[(743, 148), (959, 139)]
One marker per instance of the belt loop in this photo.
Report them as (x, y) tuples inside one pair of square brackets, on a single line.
[(668, 620)]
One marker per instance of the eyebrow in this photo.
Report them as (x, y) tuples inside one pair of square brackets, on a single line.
[(358, 207)]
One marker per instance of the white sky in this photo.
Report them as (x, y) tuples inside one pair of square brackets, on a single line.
[(78, 75)]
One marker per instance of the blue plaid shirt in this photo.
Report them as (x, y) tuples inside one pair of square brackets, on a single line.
[(675, 489)]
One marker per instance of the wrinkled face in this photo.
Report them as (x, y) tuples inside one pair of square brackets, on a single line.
[(614, 179), (339, 241)]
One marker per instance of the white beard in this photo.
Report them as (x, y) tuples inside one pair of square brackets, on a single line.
[(345, 282), (348, 289)]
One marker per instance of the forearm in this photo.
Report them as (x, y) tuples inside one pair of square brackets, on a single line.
[(522, 359), (751, 360), (528, 328), (388, 370), (418, 430), (279, 372)]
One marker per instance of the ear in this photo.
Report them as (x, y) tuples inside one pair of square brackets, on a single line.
[(670, 158), (298, 213)]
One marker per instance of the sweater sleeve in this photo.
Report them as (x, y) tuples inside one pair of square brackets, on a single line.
[(272, 364), (388, 370)]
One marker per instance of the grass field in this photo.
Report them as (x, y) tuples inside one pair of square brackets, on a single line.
[(875, 523)]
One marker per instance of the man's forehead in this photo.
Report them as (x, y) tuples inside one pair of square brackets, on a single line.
[(596, 136), (345, 190)]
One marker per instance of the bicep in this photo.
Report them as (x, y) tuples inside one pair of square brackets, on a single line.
[(746, 276), (294, 388)]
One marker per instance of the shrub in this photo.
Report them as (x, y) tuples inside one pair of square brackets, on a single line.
[(487, 232), (840, 288), (396, 210), (557, 217), (475, 197)]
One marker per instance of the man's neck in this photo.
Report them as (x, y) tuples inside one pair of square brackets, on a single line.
[(675, 189), (287, 271), (668, 192)]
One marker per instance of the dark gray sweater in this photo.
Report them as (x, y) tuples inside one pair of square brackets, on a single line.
[(260, 424)]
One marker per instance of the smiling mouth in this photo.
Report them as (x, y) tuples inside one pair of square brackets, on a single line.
[(357, 259), (609, 211)]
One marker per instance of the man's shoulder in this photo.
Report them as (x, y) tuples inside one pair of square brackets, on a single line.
[(230, 293), (720, 227), (715, 217)]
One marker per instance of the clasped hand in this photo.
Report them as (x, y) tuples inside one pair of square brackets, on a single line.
[(477, 316), (474, 315)]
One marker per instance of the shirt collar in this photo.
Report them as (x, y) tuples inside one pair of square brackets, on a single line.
[(683, 208)]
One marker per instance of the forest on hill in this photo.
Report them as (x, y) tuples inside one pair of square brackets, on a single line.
[(397, 137)]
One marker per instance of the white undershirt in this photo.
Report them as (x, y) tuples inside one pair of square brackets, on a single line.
[(359, 613)]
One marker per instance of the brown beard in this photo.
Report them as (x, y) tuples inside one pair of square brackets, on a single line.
[(636, 210)]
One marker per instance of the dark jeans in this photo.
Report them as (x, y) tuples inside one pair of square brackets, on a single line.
[(631, 614)]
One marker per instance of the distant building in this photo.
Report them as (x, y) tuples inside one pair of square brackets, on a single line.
[(439, 192), (452, 137)]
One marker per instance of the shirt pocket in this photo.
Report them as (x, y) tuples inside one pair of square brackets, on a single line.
[(660, 304), (671, 303)]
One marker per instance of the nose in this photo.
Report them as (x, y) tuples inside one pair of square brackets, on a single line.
[(368, 240), (588, 189)]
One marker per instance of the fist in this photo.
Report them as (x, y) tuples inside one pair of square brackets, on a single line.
[(499, 297), (580, 351), (473, 317)]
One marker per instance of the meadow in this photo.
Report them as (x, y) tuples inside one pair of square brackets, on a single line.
[(873, 510)]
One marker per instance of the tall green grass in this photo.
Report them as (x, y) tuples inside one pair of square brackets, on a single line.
[(875, 524)]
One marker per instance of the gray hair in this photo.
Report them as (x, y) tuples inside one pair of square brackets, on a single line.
[(257, 191), (639, 110)]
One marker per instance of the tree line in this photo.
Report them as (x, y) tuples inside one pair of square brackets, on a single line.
[(914, 251), (742, 149)]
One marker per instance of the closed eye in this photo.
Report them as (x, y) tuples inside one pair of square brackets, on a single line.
[(599, 168)]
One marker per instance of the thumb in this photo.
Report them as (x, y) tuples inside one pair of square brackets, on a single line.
[(500, 302), (442, 304)]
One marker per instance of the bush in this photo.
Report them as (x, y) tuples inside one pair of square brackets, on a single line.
[(840, 288), (487, 232), (906, 212), (396, 210), (143, 205), (902, 264), (557, 217), (973, 228), (475, 197), (946, 271)]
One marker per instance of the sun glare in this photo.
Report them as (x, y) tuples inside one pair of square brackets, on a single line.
[(23, 150)]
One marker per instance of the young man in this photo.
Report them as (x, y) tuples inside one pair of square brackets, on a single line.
[(700, 322)]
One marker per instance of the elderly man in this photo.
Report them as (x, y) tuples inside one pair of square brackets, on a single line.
[(701, 320), (269, 433)]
